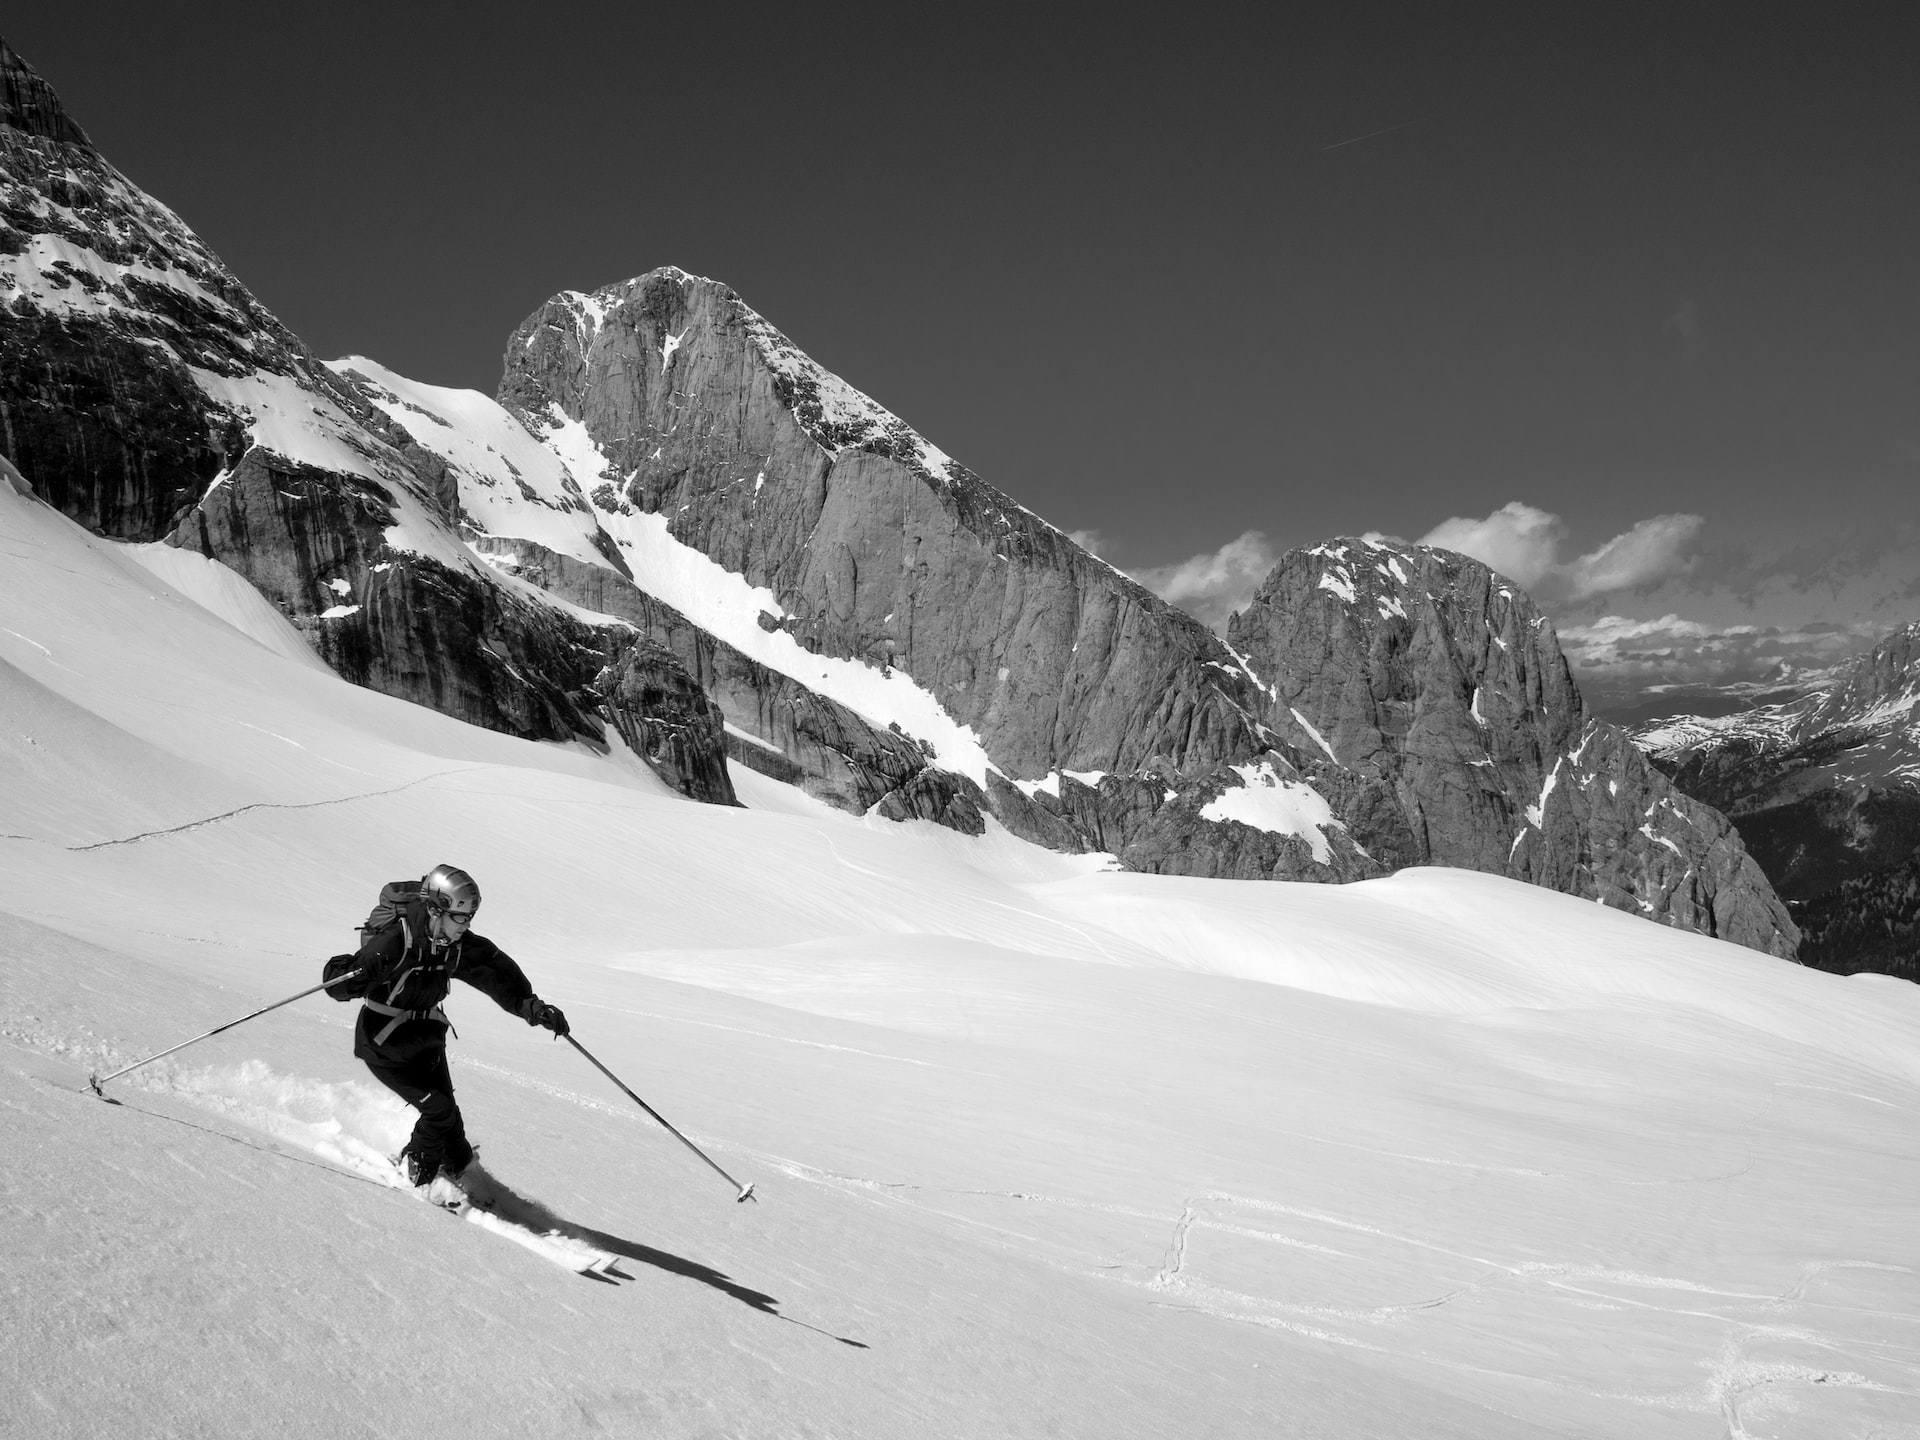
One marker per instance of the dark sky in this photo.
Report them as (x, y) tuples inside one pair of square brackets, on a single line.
[(1301, 269)]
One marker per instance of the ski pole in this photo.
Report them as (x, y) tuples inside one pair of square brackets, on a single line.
[(97, 1081), (746, 1191)]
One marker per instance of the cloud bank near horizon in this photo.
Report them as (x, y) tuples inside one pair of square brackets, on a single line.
[(1651, 607), (1523, 543), (1520, 541)]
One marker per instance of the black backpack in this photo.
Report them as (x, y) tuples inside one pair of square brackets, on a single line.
[(396, 896)]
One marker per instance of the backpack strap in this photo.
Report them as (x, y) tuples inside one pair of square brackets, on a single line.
[(398, 1015)]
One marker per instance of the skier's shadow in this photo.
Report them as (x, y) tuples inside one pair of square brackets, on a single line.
[(509, 1204)]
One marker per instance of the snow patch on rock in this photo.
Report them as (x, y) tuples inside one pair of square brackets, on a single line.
[(1266, 801)]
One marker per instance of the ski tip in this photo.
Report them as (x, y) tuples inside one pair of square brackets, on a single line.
[(746, 1194)]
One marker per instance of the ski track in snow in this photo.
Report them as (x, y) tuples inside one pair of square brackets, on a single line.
[(353, 1129), (1173, 1284), (226, 815)]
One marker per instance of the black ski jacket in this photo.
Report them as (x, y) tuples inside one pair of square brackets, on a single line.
[(410, 974)]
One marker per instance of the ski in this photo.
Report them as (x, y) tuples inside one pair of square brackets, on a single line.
[(477, 1203)]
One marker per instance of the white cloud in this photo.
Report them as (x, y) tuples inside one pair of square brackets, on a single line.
[(1211, 586), (1519, 541), (1652, 551), (1092, 541), (1523, 543)]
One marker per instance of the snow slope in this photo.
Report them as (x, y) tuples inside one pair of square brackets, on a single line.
[(1040, 1148)]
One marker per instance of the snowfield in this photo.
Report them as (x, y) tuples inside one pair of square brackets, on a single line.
[(1040, 1148)]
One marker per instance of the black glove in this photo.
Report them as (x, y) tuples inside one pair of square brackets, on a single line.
[(538, 1012), (341, 965)]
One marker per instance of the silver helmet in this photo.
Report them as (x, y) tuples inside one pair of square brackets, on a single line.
[(446, 888)]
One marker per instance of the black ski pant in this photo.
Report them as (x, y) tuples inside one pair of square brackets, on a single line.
[(426, 1084)]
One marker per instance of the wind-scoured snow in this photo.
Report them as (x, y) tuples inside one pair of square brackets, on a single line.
[(1039, 1149)]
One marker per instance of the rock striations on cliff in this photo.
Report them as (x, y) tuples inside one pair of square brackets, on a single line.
[(806, 530), (1452, 734), (146, 394), (1825, 787)]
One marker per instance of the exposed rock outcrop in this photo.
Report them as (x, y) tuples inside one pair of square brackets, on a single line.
[(150, 396), (1442, 691), (669, 721), (29, 104)]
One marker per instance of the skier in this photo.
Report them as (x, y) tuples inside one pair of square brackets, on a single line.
[(402, 1033)]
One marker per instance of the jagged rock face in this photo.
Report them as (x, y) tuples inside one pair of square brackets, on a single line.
[(806, 739), (108, 303), (30, 105), (1825, 789), (669, 720), (879, 547), (147, 395), (1442, 693), (1432, 679)]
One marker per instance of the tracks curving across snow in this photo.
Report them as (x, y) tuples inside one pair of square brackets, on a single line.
[(238, 811)]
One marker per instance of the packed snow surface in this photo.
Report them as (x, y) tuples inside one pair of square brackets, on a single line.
[(1040, 1148)]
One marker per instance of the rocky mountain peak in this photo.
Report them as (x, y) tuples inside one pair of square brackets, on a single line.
[(1880, 687), (1385, 647), (29, 104), (1453, 734), (872, 544)]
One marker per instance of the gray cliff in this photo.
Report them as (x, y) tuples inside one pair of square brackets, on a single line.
[(1442, 693)]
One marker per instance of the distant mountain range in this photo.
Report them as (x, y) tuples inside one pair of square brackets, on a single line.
[(673, 531), (1822, 776)]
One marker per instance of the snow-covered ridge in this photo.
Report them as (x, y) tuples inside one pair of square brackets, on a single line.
[(1768, 728), (1869, 706), (510, 484)]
